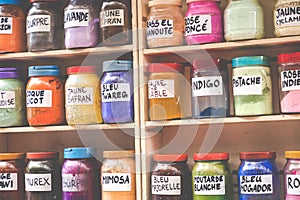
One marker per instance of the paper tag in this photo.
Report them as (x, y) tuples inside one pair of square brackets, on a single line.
[(76, 18), (79, 96), (112, 18), (38, 182), (39, 98), (207, 86), (116, 182), (115, 92), (256, 184), (7, 99), (209, 185), (8, 181), (75, 183), (6, 25), (38, 23), (162, 28), (293, 184), (247, 85), (160, 89), (287, 16), (290, 80), (166, 185), (198, 24)]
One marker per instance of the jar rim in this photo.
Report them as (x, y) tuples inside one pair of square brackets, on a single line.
[(170, 157), (118, 154), (164, 2), (257, 155), (165, 67), (41, 155), (248, 61), (12, 156), (81, 70), (286, 58), (211, 156), (292, 154)]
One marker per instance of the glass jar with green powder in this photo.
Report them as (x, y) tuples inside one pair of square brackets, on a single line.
[(252, 86)]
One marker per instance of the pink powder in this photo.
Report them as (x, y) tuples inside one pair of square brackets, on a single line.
[(291, 102)]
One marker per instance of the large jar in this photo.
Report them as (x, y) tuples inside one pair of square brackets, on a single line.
[(81, 20), (44, 25), (82, 96), (165, 23), (243, 20), (12, 94), (291, 174)]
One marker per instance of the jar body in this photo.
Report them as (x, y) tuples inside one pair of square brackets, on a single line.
[(203, 23), (243, 20), (48, 34), (291, 179)]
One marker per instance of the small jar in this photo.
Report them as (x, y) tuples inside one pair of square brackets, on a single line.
[(44, 96), (12, 94), (42, 176), (258, 176), (80, 174), (243, 20), (291, 175), (165, 23), (12, 176), (44, 25), (115, 22), (117, 91), (203, 22), (170, 177), (210, 88), (286, 15), (82, 99), (252, 86), (211, 177), (118, 175), (12, 26), (289, 82), (86, 25)]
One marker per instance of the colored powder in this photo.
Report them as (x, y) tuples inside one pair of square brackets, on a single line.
[(292, 175), (290, 102)]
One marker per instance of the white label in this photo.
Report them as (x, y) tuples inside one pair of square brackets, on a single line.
[(293, 184), (79, 96), (116, 182), (112, 18), (162, 28), (257, 184), (8, 181), (247, 85), (198, 24), (76, 18), (166, 185), (7, 99), (207, 86), (38, 182), (115, 92), (290, 80), (38, 23), (160, 89), (6, 25), (209, 185), (39, 98), (287, 16), (75, 183)]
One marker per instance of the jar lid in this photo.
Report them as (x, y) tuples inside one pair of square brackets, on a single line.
[(9, 73), (32, 1), (164, 2), (191, 1), (211, 156), (79, 152), (207, 64), (82, 70), (118, 154), (292, 154), (165, 67), (117, 65), (10, 2), (12, 156), (257, 155), (247, 61), (288, 58), (48, 70), (41, 155), (170, 157)]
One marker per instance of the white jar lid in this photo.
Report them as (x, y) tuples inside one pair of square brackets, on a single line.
[(164, 2)]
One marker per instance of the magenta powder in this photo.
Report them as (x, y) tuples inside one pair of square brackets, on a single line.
[(290, 102)]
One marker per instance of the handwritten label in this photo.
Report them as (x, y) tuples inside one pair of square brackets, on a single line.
[(293, 184), (115, 92), (256, 184), (38, 23), (207, 86), (198, 24), (288, 16), (38, 182), (115, 182), (6, 24), (209, 185), (290, 80), (247, 85), (160, 29), (166, 185), (8, 181), (39, 98), (75, 182), (7, 99), (79, 96), (112, 18), (160, 89), (76, 18)]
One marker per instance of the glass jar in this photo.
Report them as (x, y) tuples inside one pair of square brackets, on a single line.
[(203, 22), (82, 99), (165, 23), (243, 20), (258, 176), (12, 176), (211, 177), (44, 96), (291, 175), (115, 22), (12, 94), (252, 86), (44, 25), (170, 177), (118, 175), (286, 18), (81, 20), (210, 88), (12, 26), (42, 176), (117, 91), (80, 174)]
